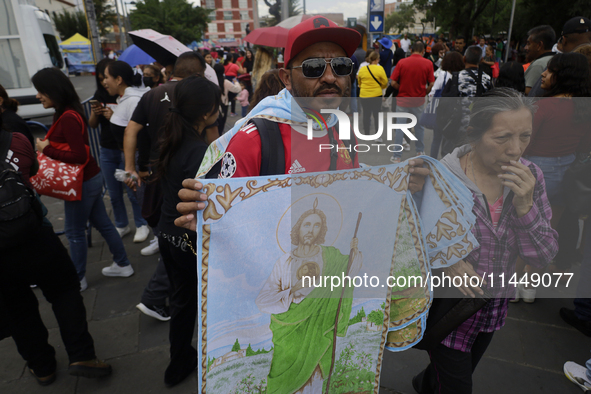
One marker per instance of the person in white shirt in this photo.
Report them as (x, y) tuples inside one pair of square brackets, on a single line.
[(405, 44)]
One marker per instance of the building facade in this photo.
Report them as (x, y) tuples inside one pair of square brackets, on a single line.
[(229, 19)]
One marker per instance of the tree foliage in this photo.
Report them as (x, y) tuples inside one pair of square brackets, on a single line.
[(236, 346), (106, 16), (401, 20), (70, 23), (491, 17), (177, 18)]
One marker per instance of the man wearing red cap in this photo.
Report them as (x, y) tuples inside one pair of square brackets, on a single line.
[(317, 67), (318, 64)]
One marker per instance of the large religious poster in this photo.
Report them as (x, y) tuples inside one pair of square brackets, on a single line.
[(297, 276)]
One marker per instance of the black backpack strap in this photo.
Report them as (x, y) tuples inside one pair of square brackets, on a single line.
[(5, 141), (478, 80), (272, 150)]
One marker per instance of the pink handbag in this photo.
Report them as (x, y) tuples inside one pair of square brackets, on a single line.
[(58, 179)]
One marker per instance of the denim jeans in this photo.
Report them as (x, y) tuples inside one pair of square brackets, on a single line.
[(419, 130), (112, 159), (553, 169), (92, 208), (244, 111)]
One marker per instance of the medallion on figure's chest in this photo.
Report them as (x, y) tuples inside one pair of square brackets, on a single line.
[(310, 268)]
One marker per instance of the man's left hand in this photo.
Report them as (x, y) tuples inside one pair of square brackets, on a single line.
[(418, 173)]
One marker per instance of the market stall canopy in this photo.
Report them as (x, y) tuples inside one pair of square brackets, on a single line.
[(165, 49), (79, 53)]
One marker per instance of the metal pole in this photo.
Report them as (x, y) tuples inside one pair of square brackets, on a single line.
[(93, 30), (510, 31), (284, 9), (304, 7), (121, 36), (127, 23)]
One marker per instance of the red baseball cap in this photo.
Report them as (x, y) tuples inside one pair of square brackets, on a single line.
[(319, 29)]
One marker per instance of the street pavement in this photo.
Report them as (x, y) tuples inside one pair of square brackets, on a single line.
[(526, 356)]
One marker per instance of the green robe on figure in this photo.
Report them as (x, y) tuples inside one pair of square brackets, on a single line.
[(303, 335)]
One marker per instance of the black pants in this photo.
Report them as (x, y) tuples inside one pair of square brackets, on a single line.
[(371, 107), (450, 371), (222, 118), (44, 261), (181, 266), (158, 288), (568, 235)]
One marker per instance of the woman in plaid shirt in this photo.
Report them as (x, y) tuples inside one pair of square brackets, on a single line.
[(512, 220)]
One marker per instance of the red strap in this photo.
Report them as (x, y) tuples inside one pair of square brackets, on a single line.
[(79, 118)]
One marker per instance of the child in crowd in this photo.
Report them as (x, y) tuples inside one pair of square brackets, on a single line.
[(242, 98)]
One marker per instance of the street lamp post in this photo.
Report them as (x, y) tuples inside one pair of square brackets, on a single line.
[(121, 37)]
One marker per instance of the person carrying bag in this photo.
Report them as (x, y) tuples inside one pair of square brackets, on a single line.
[(68, 142), (56, 178)]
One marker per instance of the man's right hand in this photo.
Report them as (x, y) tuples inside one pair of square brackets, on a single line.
[(192, 201), (134, 181)]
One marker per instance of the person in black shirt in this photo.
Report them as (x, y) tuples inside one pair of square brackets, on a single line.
[(10, 120), (182, 148)]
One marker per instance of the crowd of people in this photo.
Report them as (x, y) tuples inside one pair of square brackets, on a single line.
[(155, 132)]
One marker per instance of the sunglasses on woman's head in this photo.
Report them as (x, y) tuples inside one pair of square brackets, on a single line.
[(315, 68)]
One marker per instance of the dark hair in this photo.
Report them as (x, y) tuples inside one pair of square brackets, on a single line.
[(585, 50), (511, 75), (460, 38), (544, 34), (418, 46), (101, 92), (570, 74), (54, 84), (491, 103), (187, 108), (473, 54), (452, 62), (8, 103), (436, 48), (189, 64), (121, 69), (219, 71), (269, 85)]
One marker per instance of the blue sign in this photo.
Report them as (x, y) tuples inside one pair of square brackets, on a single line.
[(376, 22)]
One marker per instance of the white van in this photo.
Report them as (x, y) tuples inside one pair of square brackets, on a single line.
[(27, 44)]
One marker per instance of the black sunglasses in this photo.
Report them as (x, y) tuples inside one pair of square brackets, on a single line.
[(314, 68)]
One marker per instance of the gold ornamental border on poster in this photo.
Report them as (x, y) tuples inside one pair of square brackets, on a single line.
[(222, 198)]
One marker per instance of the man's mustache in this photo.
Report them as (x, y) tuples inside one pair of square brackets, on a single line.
[(325, 88)]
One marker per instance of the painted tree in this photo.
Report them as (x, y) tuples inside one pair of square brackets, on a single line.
[(236, 346)]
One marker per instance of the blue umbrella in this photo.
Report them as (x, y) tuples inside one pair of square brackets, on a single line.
[(133, 56)]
